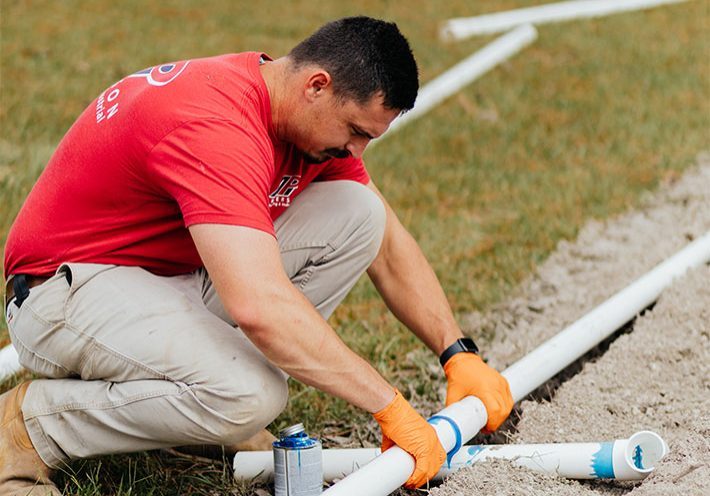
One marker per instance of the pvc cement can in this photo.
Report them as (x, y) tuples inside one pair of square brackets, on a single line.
[(298, 463)]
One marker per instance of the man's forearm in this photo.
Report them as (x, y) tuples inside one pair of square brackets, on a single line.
[(296, 339), (412, 291)]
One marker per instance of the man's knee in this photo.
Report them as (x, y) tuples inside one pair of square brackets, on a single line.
[(247, 403), (270, 395)]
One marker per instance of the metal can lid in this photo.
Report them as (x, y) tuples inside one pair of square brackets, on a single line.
[(291, 431)]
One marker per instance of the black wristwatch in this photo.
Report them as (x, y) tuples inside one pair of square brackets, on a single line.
[(463, 345)]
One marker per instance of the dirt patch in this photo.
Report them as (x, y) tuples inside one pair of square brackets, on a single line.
[(656, 377)]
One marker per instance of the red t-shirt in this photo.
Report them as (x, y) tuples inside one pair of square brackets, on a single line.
[(174, 145)]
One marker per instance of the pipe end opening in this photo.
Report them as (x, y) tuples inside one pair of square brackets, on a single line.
[(644, 450)]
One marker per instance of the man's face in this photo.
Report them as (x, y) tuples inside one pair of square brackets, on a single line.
[(336, 128)]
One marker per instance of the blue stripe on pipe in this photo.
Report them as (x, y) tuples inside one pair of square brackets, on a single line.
[(435, 420), (602, 465)]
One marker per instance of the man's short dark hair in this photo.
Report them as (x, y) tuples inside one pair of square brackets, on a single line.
[(364, 56)]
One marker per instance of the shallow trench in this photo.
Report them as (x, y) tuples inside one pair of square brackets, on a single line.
[(652, 374)]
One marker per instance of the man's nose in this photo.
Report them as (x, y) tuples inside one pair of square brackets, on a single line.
[(356, 146)]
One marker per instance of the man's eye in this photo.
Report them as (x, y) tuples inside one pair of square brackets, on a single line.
[(358, 132)]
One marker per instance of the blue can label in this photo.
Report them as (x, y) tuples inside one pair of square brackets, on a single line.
[(298, 466)]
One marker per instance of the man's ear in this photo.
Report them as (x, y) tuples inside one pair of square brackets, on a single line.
[(317, 83)]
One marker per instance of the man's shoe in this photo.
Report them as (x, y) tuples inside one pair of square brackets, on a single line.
[(22, 471), (261, 441)]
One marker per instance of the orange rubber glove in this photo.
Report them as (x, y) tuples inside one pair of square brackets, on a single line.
[(468, 375), (403, 426)]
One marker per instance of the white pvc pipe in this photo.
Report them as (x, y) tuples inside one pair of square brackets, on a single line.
[(623, 459), (388, 472), (9, 362), (538, 366), (454, 424), (465, 72), (337, 463), (465, 27)]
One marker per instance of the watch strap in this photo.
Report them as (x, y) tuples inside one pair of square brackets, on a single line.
[(463, 345)]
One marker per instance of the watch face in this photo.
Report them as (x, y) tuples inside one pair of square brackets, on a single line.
[(467, 344), (459, 346)]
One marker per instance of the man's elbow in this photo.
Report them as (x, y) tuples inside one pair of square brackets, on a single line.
[(256, 313)]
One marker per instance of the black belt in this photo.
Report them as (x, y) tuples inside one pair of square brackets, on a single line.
[(18, 286)]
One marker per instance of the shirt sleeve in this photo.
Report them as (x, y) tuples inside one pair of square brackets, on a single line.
[(351, 168), (218, 172)]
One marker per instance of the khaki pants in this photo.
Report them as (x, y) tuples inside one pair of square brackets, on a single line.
[(135, 361)]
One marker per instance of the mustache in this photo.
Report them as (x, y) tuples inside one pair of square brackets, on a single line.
[(337, 152)]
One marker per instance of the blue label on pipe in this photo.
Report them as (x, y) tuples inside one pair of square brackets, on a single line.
[(602, 465), (438, 418)]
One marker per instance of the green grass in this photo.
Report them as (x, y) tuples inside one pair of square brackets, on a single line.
[(575, 127)]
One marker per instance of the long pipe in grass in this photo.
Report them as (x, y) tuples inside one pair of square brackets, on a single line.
[(9, 362), (464, 73), (465, 27)]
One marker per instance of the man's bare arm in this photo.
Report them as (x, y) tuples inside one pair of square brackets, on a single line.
[(245, 267), (412, 291), (410, 287)]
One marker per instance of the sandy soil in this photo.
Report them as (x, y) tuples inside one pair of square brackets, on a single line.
[(656, 376)]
